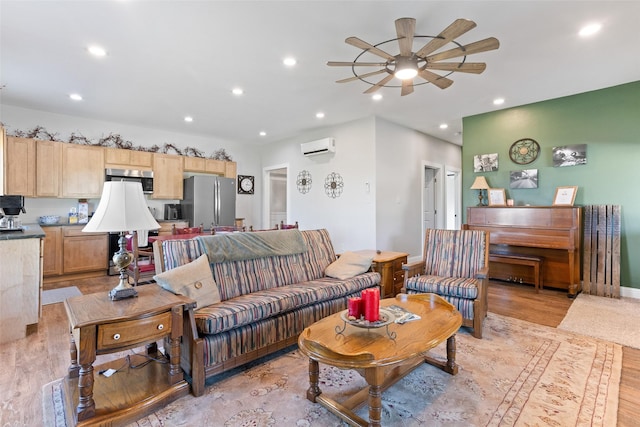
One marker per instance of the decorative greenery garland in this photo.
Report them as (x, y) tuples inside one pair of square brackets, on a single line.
[(116, 141)]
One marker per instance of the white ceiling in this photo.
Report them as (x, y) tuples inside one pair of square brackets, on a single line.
[(170, 59)]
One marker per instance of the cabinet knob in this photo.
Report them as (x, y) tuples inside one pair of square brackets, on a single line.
[(160, 327), (116, 337)]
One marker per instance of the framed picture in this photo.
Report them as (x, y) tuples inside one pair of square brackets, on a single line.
[(485, 162), (565, 196), (527, 178), (569, 155), (497, 197)]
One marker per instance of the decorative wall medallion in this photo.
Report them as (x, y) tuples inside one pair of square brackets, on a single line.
[(524, 151), (333, 185), (304, 182)]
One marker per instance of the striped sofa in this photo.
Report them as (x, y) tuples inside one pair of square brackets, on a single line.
[(455, 265), (265, 304)]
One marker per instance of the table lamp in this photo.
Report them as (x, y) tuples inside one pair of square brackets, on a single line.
[(480, 184), (122, 208)]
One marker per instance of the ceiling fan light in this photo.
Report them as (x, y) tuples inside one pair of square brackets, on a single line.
[(406, 68)]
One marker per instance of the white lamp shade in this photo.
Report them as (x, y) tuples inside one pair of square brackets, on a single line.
[(122, 207)]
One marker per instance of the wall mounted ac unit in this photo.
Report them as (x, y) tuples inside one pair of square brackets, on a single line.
[(321, 146)]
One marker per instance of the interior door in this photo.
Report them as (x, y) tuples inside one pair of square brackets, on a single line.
[(429, 197), (275, 203)]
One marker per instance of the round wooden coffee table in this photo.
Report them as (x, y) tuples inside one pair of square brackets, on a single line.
[(386, 353)]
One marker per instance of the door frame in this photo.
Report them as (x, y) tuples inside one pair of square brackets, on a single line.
[(266, 192), (439, 196), (457, 190)]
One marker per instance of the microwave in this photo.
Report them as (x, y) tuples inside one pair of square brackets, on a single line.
[(144, 177)]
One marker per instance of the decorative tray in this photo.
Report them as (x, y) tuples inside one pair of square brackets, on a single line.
[(386, 318)]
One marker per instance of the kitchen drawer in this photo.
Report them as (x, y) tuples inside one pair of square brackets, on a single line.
[(131, 332), (76, 230)]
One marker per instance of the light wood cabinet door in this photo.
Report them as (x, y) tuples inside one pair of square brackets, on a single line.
[(167, 176), (230, 170), (120, 158), (84, 252), (52, 252), (82, 171), (215, 166), (48, 154), (194, 164), (20, 166)]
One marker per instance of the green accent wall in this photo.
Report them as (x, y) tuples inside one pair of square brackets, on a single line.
[(606, 120)]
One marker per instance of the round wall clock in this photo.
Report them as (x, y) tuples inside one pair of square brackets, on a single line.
[(333, 185), (245, 184), (304, 182), (524, 151)]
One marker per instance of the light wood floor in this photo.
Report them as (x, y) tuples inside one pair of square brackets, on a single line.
[(43, 356)]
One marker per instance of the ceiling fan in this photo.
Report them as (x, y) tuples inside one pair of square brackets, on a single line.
[(408, 64)]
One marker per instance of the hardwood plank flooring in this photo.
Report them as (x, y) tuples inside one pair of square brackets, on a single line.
[(42, 357)]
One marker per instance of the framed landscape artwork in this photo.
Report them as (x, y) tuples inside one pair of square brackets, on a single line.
[(569, 155)]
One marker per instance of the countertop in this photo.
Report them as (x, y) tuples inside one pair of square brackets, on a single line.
[(66, 224), (30, 231)]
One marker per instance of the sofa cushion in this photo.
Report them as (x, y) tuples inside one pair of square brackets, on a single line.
[(349, 264), (454, 253), (250, 308), (193, 280), (445, 286)]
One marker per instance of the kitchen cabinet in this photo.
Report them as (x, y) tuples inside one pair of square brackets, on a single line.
[(52, 251), (82, 171), (19, 166), (83, 252), (168, 173), (230, 169), (48, 155), (119, 158)]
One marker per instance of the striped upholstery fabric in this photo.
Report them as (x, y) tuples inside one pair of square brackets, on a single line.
[(464, 305), (461, 287), (454, 253), (180, 252), (258, 305)]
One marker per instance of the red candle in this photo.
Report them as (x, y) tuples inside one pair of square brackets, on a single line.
[(355, 307), (375, 304)]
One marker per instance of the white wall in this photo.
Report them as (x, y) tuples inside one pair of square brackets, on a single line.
[(350, 218), (16, 118), (400, 157)]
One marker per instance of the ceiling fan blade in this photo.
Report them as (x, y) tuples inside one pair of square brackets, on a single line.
[(465, 67), (350, 64), (378, 85), (441, 82), (490, 43), (361, 44), (407, 87), (456, 29), (361, 76), (405, 28)]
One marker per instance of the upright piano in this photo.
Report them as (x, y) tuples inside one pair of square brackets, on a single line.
[(550, 232)]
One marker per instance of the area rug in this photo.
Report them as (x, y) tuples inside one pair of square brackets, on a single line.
[(519, 374), (612, 319), (52, 296)]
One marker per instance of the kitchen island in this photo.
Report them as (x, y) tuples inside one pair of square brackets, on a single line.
[(21, 281)]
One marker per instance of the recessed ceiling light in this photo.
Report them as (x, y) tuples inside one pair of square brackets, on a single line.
[(589, 30), (97, 50), (376, 97), (75, 97), (237, 91), (263, 133), (289, 61), (188, 119), (498, 101), (444, 126), (320, 115)]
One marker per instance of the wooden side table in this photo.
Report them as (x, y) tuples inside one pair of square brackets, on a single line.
[(101, 326), (389, 265)]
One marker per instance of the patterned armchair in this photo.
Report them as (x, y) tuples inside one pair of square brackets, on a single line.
[(455, 265)]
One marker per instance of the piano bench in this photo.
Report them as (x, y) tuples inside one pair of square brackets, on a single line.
[(528, 260)]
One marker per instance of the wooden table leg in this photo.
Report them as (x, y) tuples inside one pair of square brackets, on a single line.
[(375, 379), (74, 368), (314, 374), (86, 405), (451, 366)]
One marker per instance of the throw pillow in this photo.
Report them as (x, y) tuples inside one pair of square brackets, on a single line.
[(349, 264), (193, 280)]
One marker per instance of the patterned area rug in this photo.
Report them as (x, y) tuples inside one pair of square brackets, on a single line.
[(519, 374)]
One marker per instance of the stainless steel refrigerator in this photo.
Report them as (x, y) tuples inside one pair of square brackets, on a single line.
[(209, 200)]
